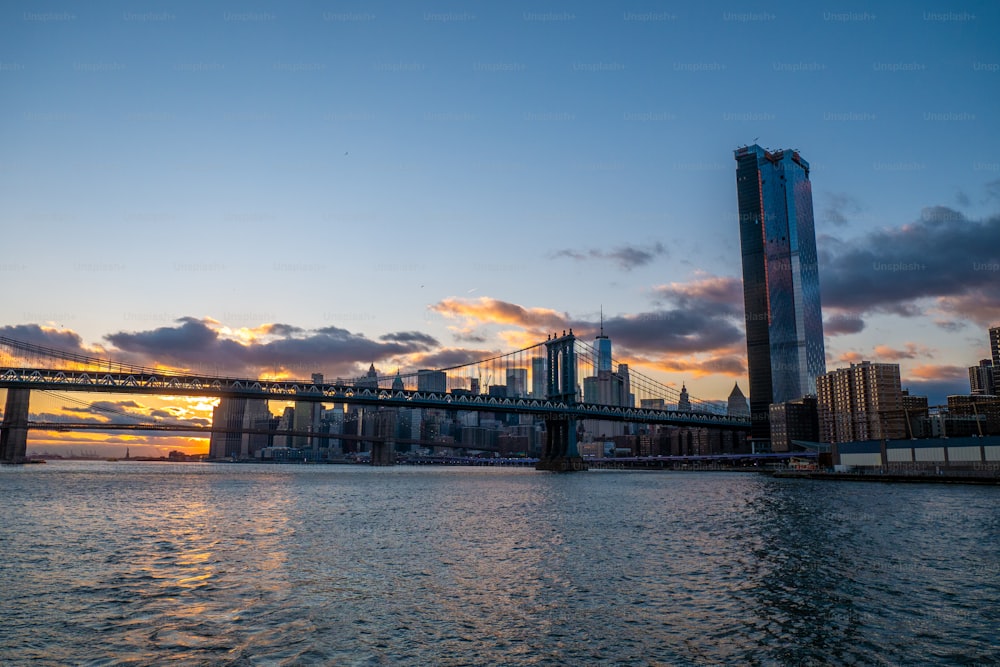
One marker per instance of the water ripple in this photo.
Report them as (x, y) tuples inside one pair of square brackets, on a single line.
[(116, 564)]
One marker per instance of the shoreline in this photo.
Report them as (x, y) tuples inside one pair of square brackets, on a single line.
[(930, 478)]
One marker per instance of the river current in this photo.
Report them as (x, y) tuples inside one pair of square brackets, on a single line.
[(126, 563)]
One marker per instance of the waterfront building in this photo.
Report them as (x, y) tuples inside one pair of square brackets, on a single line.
[(982, 410), (793, 420), (916, 411), (981, 377), (784, 322), (863, 402), (235, 414)]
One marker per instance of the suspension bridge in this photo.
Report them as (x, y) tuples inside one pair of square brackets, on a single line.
[(561, 380)]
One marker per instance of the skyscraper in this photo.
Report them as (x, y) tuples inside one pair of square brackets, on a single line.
[(784, 322), (995, 354)]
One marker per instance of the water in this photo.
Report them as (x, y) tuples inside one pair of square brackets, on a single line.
[(154, 563)]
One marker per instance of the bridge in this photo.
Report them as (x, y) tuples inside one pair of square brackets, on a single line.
[(542, 380)]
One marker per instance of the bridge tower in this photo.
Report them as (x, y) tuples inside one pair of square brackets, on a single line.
[(14, 430), (560, 453)]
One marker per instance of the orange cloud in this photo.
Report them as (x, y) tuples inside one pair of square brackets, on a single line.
[(486, 310), (732, 366), (885, 353), (929, 372)]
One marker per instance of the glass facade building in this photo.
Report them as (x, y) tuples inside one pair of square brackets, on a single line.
[(784, 321)]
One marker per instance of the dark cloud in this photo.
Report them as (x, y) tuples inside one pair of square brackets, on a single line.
[(195, 345), (626, 257), (837, 325), (282, 329), (469, 338), (61, 339), (943, 255), (452, 357), (680, 331), (724, 294), (411, 337)]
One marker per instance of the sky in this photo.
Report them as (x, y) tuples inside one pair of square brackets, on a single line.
[(288, 188)]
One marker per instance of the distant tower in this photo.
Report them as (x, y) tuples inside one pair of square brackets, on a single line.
[(370, 379), (684, 403), (738, 406), (602, 348), (397, 383)]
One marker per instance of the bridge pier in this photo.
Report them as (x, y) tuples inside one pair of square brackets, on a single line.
[(560, 453), (14, 429), (383, 452)]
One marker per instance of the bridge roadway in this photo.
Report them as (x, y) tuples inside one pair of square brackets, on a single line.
[(39, 379)]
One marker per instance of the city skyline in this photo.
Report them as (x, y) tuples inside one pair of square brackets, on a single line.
[(290, 190)]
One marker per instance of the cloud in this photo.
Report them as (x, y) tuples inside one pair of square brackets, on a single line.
[(840, 324), (912, 351), (625, 257), (943, 256), (840, 208), (408, 337), (60, 339), (486, 310), (938, 373), (937, 382), (200, 344), (720, 291), (722, 365), (448, 358)]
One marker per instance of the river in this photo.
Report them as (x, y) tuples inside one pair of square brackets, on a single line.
[(128, 563)]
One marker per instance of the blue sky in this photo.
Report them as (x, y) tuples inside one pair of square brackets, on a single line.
[(209, 185)]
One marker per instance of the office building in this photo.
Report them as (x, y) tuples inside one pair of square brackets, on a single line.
[(432, 381), (792, 421), (517, 382), (235, 415), (538, 377), (863, 402), (784, 323)]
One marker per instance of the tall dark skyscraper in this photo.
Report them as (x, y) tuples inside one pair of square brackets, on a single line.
[(784, 321), (995, 355)]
